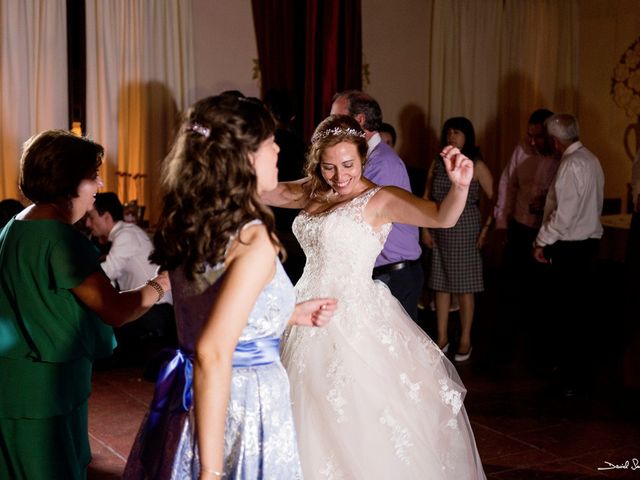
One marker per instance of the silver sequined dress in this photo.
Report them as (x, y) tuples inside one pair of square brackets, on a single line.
[(373, 397), (260, 440)]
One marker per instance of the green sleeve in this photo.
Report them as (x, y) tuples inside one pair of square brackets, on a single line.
[(72, 259)]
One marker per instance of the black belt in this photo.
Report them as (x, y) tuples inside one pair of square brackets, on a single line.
[(392, 267)]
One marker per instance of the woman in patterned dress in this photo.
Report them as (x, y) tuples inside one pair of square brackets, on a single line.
[(456, 264), (232, 301)]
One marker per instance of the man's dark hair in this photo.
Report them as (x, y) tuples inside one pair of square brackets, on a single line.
[(539, 116), (387, 127), (109, 202), (360, 102), (8, 208)]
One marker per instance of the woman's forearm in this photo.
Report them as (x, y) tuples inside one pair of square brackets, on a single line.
[(452, 206), (211, 384)]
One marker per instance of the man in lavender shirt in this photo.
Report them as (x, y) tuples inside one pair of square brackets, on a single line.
[(398, 265)]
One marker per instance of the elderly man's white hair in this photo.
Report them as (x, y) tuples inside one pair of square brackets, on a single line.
[(564, 127)]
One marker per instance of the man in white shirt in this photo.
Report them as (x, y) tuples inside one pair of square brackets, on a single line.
[(127, 266), (568, 239)]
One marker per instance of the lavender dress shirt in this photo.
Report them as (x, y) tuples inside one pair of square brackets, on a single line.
[(385, 167)]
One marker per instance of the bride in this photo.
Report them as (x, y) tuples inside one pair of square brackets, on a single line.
[(373, 396)]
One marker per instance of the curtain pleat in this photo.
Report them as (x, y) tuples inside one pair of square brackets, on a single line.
[(140, 75), (309, 50), (496, 61), (33, 79)]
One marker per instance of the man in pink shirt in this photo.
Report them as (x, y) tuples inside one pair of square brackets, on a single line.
[(523, 189), (518, 212)]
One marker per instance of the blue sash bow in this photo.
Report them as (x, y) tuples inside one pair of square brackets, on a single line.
[(180, 369)]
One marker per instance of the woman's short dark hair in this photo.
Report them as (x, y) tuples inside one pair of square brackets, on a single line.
[(53, 164), (470, 149)]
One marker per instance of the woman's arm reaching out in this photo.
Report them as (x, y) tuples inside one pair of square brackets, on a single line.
[(396, 205), (287, 195)]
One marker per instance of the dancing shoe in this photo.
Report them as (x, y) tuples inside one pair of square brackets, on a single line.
[(445, 349), (463, 357)]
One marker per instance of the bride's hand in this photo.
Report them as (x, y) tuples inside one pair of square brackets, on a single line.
[(314, 313), (458, 166)]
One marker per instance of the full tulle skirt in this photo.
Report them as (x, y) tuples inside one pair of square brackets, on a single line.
[(373, 396)]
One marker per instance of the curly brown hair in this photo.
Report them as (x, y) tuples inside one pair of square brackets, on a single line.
[(210, 183), (331, 131)]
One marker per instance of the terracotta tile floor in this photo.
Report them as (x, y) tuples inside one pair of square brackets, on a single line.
[(524, 429)]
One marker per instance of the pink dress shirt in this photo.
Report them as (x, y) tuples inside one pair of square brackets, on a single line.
[(523, 187)]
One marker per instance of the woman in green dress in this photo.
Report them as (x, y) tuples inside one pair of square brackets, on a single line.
[(56, 306)]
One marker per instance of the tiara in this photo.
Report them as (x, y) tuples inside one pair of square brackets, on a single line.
[(336, 131), (196, 127)]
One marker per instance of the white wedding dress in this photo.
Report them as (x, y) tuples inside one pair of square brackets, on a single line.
[(373, 396)]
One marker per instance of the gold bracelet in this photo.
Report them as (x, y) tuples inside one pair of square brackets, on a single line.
[(212, 472), (157, 287)]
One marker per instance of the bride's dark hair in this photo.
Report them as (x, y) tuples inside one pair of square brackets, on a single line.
[(210, 184), (331, 131)]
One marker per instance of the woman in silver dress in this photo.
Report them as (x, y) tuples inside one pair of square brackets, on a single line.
[(221, 408)]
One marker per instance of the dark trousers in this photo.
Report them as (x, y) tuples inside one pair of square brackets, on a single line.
[(525, 284), (572, 308), (631, 334), (406, 285), (518, 250)]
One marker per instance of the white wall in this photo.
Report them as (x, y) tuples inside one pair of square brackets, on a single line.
[(394, 44), (225, 46), (606, 31)]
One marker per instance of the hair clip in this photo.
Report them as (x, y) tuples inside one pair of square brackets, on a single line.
[(199, 129)]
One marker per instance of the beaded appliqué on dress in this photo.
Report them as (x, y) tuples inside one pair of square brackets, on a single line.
[(450, 397), (412, 389), (400, 436), (330, 470), (338, 378)]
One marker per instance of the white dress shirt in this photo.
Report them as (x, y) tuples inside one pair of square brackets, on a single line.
[(523, 187), (128, 259), (574, 203)]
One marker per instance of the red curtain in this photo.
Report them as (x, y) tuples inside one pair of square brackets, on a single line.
[(310, 50)]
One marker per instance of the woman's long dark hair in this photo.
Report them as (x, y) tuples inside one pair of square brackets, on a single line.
[(210, 183)]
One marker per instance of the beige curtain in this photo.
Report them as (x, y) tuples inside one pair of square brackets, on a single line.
[(495, 61), (140, 75), (33, 79)]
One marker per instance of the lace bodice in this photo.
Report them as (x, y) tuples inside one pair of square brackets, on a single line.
[(340, 246)]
